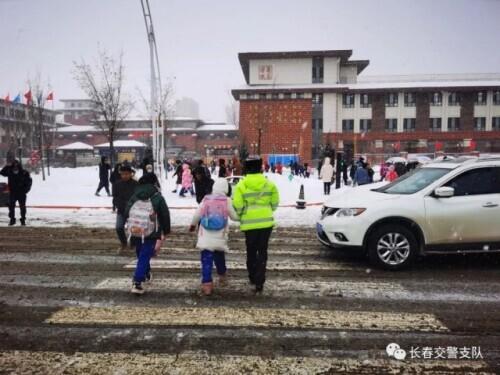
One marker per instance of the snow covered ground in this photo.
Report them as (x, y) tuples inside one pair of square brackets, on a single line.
[(67, 198)]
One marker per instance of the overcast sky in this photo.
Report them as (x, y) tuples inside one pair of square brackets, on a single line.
[(198, 40)]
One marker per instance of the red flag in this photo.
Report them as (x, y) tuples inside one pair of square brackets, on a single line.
[(50, 96), (7, 98), (438, 146), (28, 97)]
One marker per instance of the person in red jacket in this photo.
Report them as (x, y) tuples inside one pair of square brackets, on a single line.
[(391, 174)]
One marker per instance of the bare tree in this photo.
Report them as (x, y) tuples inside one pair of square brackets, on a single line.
[(103, 84)]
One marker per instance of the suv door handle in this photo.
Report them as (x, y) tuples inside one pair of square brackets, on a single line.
[(490, 205)]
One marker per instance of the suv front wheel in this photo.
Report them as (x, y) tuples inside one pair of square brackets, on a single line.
[(392, 247)]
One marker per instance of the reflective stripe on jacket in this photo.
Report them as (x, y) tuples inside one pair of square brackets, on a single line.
[(254, 199)]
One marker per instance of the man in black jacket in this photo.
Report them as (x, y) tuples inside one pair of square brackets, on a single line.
[(178, 173), (122, 192), (104, 169), (202, 184), (19, 181)]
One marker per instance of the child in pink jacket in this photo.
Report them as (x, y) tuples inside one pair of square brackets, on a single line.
[(187, 181)]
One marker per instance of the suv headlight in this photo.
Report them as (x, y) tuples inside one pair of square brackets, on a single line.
[(347, 212)]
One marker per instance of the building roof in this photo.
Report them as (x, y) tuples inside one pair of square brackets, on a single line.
[(360, 64), (78, 129), (122, 143), (459, 82), (219, 127), (245, 57), (77, 146)]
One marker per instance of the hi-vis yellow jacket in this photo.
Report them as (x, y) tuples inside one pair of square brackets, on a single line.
[(254, 199)]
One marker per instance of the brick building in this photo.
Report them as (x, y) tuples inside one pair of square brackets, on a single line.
[(185, 137), (298, 102)]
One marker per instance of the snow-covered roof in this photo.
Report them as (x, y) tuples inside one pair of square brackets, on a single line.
[(76, 146), (123, 143), (78, 129), (220, 127), (392, 82)]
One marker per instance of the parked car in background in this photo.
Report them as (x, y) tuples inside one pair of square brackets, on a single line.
[(443, 207)]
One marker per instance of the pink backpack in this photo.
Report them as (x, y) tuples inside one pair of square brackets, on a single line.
[(214, 213)]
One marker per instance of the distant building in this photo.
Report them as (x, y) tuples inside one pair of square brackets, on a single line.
[(186, 137), (186, 107), (79, 111), (298, 102), (18, 130)]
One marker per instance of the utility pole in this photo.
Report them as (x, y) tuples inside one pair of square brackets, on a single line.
[(156, 109)]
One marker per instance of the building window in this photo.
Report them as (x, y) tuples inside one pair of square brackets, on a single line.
[(348, 100), (409, 124), (435, 124), (300, 95), (480, 98), (365, 125), (317, 70), (347, 126), (496, 123), (365, 100), (317, 99), (453, 99), (275, 96), (265, 72), (391, 125), (391, 100), (480, 124), (287, 95), (409, 99), (496, 97), (2, 111), (317, 124), (262, 96), (437, 99), (453, 123)]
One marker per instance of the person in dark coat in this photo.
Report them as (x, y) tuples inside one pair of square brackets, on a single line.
[(202, 185), (114, 178), (19, 181), (222, 168), (104, 169), (352, 170), (122, 192), (201, 167), (178, 174)]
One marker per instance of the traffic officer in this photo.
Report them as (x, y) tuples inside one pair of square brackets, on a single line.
[(255, 199)]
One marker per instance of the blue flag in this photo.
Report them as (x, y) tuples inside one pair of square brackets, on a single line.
[(17, 99)]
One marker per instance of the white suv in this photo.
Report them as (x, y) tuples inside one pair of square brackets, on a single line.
[(443, 207)]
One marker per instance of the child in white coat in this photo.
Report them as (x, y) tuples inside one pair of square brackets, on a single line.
[(211, 217)]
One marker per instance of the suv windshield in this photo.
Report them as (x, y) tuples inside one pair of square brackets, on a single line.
[(412, 182)]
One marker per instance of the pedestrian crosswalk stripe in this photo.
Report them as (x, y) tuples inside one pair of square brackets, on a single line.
[(248, 317), (235, 265), (202, 363)]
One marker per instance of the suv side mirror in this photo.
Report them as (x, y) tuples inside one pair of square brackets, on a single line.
[(444, 192)]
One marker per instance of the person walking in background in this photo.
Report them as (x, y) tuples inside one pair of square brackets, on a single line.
[(222, 168), (307, 169), (211, 218), (255, 199), (361, 177), (19, 182), (178, 174), (187, 181), (148, 222), (104, 169), (202, 184), (149, 169), (352, 171), (343, 169), (114, 178), (122, 192), (213, 167), (391, 174), (384, 168), (326, 175)]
